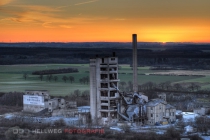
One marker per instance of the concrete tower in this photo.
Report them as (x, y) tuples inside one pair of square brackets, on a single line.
[(93, 89), (103, 88), (135, 64)]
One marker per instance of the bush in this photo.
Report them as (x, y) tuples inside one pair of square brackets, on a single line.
[(9, 134), (172, 132), (125, 128), (55, 71), (195, 137), (60, 136), (60, 122), (12, 99)]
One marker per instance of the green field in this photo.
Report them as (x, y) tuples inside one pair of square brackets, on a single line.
[(11, 78)]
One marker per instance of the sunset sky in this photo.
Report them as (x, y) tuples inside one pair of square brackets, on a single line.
[(104, 20)]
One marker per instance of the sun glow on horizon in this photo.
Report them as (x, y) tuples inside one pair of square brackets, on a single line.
[(90, 21)]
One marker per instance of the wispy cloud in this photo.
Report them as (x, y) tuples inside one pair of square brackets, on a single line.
[(48, 25), (81, 3), (4, 2), (86, 2), (38, 8), (45, 16)]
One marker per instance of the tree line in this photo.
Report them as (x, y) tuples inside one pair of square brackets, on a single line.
[(50, 77), (82, 97), (12, 99), (163, 86), (55, 71)]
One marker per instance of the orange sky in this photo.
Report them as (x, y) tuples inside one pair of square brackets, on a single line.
[(104, 20)]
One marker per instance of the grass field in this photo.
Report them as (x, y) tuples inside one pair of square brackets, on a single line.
[(11, 78)]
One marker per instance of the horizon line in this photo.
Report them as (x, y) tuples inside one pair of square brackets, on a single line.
[(101, 42)]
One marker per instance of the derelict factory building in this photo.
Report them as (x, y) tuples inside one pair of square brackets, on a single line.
[(103, 87), (107, 102)]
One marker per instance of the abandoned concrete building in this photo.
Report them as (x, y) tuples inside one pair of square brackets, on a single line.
[(103, 87), (108, 102), (39, 102), (35, 101), (158, 111)]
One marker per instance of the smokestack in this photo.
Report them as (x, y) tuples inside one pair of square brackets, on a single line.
[(135, 81)]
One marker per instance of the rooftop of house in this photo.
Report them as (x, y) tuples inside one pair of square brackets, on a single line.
[(168, 106), (155, 102)]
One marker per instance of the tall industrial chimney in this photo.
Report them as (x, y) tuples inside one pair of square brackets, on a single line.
[(135, 65)]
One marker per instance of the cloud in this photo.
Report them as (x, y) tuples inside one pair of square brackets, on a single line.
[(45, 16), (81, 3), (4, 2), (28, 13), (48, 25), (38, 8), (86, 2)]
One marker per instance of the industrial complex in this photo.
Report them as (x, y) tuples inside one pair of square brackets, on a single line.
[(111, 105), (108, 104)]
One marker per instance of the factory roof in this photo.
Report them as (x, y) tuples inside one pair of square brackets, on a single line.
[(155, 102)]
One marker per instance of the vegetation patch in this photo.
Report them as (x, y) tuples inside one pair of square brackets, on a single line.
[(55, 71)]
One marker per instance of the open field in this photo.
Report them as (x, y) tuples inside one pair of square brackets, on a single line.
[(184, 72), (11, 78)]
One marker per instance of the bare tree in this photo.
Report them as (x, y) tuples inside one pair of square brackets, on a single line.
[(84, 80), (50, 77), (168, 85), (41, 77), (162, 85), (192, 87), (80, 80), (25, 75), (86, 94), (151, 85), (77, 93), (130, 85), (202, 123), (140, 87), (47, 77), (178, 87), (172, 132), (71, 78), (65, 78), (197, 87), (55, 78), (87, 79)]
